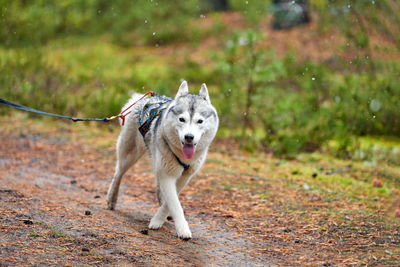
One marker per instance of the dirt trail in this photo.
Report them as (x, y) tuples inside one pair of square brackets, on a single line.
[(52, 204)]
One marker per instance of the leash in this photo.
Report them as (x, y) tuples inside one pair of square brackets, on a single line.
[(122, 115)]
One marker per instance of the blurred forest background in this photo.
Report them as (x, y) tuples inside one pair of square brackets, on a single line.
[(315, 84), (285, 76)]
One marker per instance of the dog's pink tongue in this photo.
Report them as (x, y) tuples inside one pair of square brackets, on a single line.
[(188, 151)]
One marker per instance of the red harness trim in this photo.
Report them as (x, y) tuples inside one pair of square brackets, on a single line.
[(123, 116)]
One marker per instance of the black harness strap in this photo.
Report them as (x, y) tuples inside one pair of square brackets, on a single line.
[(185, 166)]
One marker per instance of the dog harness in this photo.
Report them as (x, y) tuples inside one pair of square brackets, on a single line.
[(152, 109)]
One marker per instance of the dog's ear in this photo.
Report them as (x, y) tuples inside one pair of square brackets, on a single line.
[(183, 90), (204, 93)]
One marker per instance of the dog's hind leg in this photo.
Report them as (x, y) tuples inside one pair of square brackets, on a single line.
[(128, 152)]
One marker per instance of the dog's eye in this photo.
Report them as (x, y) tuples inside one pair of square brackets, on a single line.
[(200, 121), (181, 119)]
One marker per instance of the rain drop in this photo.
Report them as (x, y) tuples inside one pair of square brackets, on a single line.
[(313, 78), (154, 33), (375, 105)]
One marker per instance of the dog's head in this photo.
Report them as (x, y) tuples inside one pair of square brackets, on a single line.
[(191, 121)]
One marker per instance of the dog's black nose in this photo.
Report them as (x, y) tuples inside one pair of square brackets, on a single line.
[(189, 138)]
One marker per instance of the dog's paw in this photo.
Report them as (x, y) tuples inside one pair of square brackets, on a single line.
[(185, 235), (183, 231), (111, 205), (155, 224)]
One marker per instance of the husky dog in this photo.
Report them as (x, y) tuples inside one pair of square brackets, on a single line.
[(176, 133)]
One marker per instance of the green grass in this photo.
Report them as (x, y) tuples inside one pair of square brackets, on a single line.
[(34, 234), (295, 105), (342, 188), (55, 233)]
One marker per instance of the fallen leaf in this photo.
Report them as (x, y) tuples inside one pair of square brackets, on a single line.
[(377, 183)]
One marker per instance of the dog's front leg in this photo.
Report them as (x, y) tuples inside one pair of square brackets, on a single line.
[(162, 213), (159, 218), (170, 198)]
